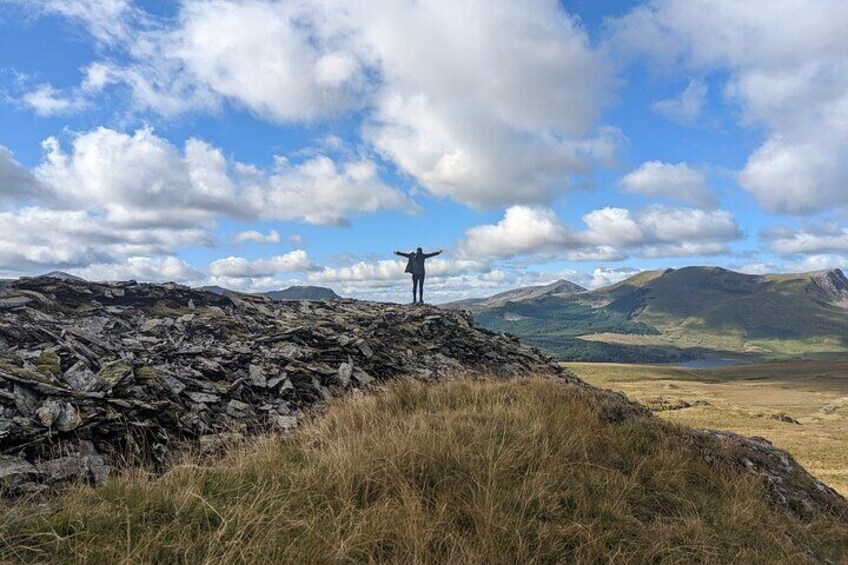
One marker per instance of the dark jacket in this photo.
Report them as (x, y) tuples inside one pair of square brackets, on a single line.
[(415, 265)]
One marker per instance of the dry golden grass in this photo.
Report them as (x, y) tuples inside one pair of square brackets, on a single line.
[(749, 399), (464, 471)]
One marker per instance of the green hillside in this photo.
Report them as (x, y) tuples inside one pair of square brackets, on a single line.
[(686, 313)]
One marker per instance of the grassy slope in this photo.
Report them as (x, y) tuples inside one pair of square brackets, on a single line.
[(749, 399), (485, 472)]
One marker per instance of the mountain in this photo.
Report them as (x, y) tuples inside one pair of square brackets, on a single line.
[(218, 289), (61, 275), (303, 293), (290, 293), (561, 286), (685, 313)]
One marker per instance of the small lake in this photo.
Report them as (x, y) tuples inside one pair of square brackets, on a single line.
[(711, 363)]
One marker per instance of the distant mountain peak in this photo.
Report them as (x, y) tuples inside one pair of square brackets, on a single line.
[(831, 286), (561, 286), (61, 275), (298, 292)]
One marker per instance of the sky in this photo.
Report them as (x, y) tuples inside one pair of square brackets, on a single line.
[(256, 144)]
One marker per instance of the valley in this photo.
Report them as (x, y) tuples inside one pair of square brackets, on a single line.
[(800, 405)]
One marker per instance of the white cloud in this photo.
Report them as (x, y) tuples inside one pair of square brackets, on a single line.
[(793, 242), (675, 181), (321, 191), (110, 195), (37, 239), (673, 225), (281, 68), (685, 108), (257, 237), (604, 277), (16, 182), (141, 268), (819, 262), (657, 231), (47, 101), (523, 230), (758, 268), (393, 270), (799, 177), (142, 179), (135, 177), (504, 114), (787, 67), (239, 267)]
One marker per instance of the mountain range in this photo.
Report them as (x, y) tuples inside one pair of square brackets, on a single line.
[(561, 286), (678, 314)]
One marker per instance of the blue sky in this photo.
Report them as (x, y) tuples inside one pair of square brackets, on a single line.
[(256, 143)]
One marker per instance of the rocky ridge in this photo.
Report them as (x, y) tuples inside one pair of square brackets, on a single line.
[(95, 372), (93, 375)]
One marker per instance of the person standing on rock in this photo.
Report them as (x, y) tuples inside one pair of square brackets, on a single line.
[(415, 266)]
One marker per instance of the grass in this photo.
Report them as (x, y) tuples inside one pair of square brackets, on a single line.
[(749, 399), (463, 471)]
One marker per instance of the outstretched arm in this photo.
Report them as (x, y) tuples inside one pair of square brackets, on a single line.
[(402, 254), (428, 255)]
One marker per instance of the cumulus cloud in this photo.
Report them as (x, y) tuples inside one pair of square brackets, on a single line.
[(38, 239), (283, 68), (109, 195), (239, 267), (475, 116), (156, 269), (257, 237), (321, 191), (134, 178), (787, 68), (142, 179), (822, 240), (16, 182), (502, 115), (611, 234), (819, 262), (686, 107), (603, 276), (675, 181), (523, 230), (393, 270)]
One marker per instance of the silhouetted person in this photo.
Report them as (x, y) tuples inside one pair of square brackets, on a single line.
[(415, 265)]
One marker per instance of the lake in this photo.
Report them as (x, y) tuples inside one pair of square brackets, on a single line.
[(711, 363)]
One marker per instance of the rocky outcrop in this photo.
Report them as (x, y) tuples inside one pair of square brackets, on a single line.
[(91, 373), (788, 485), (831, 287)]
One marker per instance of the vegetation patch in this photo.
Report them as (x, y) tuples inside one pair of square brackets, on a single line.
[(462, 471)]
